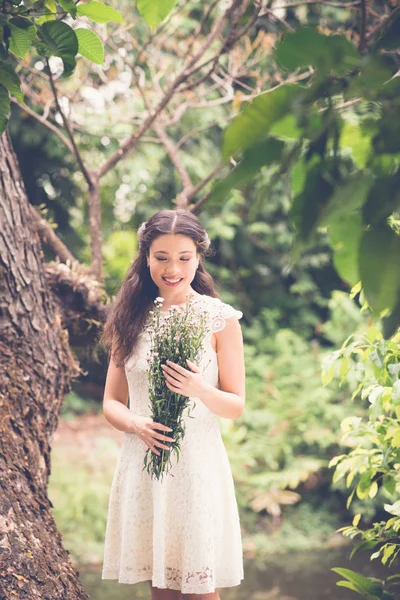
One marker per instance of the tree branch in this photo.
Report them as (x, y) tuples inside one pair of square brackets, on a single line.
[(130, 143), (173, 153), (363, 25), (44, 122), (86, 173), (50, 239), (382, 24)]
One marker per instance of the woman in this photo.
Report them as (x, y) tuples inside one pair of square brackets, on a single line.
[(182, 534)]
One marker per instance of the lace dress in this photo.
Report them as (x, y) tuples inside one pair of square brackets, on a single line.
[(183, 532)]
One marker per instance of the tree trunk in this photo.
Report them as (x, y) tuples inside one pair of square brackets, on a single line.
[(36, 366)]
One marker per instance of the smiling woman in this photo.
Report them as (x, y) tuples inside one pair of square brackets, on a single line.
[(146, 537), (173, 268)]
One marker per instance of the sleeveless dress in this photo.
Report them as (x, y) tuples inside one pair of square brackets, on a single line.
[(183, 532)]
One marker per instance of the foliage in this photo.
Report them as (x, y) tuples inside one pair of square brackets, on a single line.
[(281, 446), (371, 468), (42, 28), (339, 137), (80, 496), (76, 405)]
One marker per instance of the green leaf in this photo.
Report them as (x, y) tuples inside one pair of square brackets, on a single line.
[(5, 106), (371, 585), (68, 6), (375, 71), (22, 32), (89, 45), (69, 64), (373, 490), (389, 483), (389, 549), (352, 136), (364, 485), (260, 154), (347, 197), (379, 264), (258, 117), (61, 39), (383, 199), (154, 13), (309, 204), (306, 46), (10, 80), (99, 12)]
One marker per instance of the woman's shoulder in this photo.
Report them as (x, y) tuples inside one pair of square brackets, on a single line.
[(219, 312)]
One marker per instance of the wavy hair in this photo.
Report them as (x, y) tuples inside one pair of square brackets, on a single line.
[(126, 315)]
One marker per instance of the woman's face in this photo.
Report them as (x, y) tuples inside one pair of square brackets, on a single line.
[(173, 257)]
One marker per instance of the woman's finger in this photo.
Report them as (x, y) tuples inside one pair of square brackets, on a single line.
[(178, 368)]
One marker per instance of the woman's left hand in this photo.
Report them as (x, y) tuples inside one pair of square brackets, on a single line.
[(184, 382)]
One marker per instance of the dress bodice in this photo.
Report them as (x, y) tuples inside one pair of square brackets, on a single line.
[(137, 365)]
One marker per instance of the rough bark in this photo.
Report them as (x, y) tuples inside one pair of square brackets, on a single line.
[(36, 366)]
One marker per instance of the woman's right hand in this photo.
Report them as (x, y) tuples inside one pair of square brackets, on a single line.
[(146, 429)]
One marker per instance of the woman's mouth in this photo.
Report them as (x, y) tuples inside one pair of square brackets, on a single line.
[(172, 282)]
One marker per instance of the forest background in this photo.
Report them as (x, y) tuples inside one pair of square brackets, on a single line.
[(288, 212)]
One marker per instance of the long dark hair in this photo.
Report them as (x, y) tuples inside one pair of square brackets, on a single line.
[(127, 314)]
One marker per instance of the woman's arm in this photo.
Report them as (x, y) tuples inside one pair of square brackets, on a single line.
[(229, 400), (115, 400)]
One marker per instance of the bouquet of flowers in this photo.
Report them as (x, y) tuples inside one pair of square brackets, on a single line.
[(176, 335)]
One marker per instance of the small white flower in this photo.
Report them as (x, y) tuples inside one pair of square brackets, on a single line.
[(159, 300)]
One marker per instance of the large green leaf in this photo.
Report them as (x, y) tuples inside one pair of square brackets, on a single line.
[(354, 137), (379, 264), (69, 64), (347, 197), (155, 12), (369, 585), (309, 203), (69, 6), (99, 12), (306, 46), (262, 153), (388, 138), (89, 45), (4, 108), (22, 32), (60, 37), (345, 236), (258, 117), (375, 72), (387, 189), (9, 79)]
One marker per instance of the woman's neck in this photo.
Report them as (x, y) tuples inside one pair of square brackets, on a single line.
[(169, 302)]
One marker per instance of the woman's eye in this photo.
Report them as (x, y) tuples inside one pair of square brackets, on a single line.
[(184, 259)]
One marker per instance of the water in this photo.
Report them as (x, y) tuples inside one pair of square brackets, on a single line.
[(296, 576)]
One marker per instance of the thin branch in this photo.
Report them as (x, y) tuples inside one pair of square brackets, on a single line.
[(190, 134), (382, 24), (50, 239), (200, 185), (130, 143), (44, 122), (87, 175), (200, 26), (363, 25), (194, 208), (173, 153), (324, 2)]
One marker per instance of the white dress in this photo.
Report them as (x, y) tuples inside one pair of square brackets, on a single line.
[(181, 532)]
